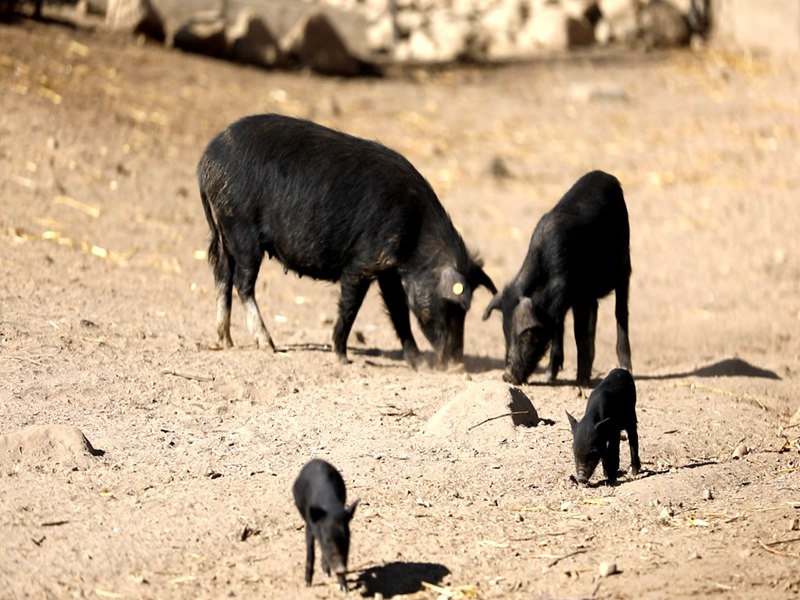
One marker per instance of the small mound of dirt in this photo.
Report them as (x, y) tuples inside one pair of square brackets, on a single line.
[(47, 447), (483, 413)]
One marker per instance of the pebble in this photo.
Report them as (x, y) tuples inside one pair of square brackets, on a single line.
[(607, 568), (794, 524), (740, 451), (666, 513), (707, 494)]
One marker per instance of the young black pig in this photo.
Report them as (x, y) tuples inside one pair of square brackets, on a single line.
[(579, 252), (319, 495), (336, 208), (611, 408)]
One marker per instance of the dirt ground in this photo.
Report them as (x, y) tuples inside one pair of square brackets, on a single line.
[(107, 329)]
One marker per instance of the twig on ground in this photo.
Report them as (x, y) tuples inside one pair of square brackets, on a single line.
[(187, 375), (777, 552), (511, 414), (558, 559)]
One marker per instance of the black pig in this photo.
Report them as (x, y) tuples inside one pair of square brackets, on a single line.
[(579, 252), (319, 495), (610, 409), (336, 208)]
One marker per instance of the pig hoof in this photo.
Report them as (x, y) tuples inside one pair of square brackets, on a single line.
[(343, 360), (413, 358), (509, 378)]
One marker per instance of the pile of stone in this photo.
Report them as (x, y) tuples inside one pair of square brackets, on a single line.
[(350, 37)]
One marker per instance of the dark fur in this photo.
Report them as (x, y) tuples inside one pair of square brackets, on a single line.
[(336, 208), (320, 496), (579, 252), (610, 409)]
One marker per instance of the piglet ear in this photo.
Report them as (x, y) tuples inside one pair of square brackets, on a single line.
[(453, 287), (316, 514), (351, 510), (523, 318), (496, 302), (573, 423)]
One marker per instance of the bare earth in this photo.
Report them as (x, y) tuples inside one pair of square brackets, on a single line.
[(107, 328)]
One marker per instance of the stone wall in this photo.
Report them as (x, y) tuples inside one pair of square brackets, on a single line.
[(351, 37)]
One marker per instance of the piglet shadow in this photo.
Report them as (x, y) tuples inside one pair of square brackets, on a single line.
[(399, 578), (643, 474)]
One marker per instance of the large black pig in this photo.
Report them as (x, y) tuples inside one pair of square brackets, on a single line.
[(336, 208), (579, 252)]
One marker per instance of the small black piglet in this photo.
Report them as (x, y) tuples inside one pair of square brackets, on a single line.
[(610, 409), (319, 495)]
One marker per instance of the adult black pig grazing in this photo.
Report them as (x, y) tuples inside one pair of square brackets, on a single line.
[(336, 208), (610, 409), (579, 252), (319, 495)]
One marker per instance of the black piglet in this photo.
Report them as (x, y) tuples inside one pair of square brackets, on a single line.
[(319, 494)]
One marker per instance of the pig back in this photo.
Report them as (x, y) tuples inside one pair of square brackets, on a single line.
[(324, 202)]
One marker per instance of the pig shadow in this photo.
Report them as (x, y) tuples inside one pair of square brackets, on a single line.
[(727, 367), (622, 476), (472, 364), (399, 578)]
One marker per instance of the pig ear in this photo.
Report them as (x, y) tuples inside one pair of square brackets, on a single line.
[(573, 423), (479, 277), (497, 301), (315, 513), (453, 287), (351, 510), (602, 425), (523, 318)]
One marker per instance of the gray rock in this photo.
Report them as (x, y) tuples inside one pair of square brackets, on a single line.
[(250, 41)]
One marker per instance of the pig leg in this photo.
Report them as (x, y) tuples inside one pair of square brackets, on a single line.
[(585, 325), (244, 277), (621, 312), (557, 350), (395, 300), (352, 295), (611, 458), (223, 278), (633, 442), (309, 555)]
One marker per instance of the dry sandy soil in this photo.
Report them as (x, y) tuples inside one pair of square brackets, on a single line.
[(107, 329)]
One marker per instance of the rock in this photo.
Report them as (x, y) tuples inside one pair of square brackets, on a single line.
[(481, 415), (315, 42), (203, 34), (795, 417), (547, 30), (740, 451), (794, 524), (607, 568), (707, 494), (250, 41), (620, 19), (45, 446), (580, 32), (134, 16), (666, 513), (662, 25)]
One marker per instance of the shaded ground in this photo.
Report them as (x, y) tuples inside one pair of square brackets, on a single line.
[(106, 326)]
